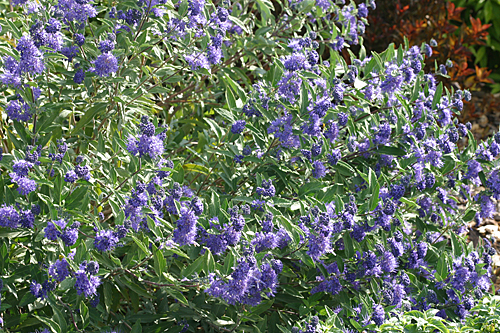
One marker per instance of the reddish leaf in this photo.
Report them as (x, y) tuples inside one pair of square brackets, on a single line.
[(477, 27), (453, 12)]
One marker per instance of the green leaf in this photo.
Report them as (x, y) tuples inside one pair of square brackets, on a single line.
[(372, 179), (54, 327), (27, 299), (262, 307), (239, 23), (305, 6), (437, 95), (56, 192), (416, 90), (21, 131), (412, 328), (304, 98), (345, 169), (108, 295), (385, 150), (348, 245), (389, 52), (76, 197), (306, 259), (472, 141), (227, 115), (195, 267), (482, 177), (228, 263), (438, 324), (408, 202), (371, 64), (231, 101), (265, 9), (183, 8), (448, 166), (58, 316), (488, 11), (159, 260), (469, 215), (178, 175), (176, 251), (17, 143), (210, 262), (137, 328), (141, 245), (356, 325), (88, 116), (480, 54), (455, 244), (236, 87), (178, 295), (84, 314), (441, 268), (16, 32), (8, 51), (196, 168), (310, 187), (134, 287), (375, 197), (415, 313), (378, 60)]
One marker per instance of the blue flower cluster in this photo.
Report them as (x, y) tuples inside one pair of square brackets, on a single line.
[(80, 172), (19, 175), (58, 229), (139, 200), (10, 217), (156, 201), (247, 282), (238, 127), (267, 239), (147, 143), (104, 65), (311, 327), (86, 279), (107, 240), (219, 22), (75, 10), (47, 34), (185, 233), (30, 62), (41, 290)]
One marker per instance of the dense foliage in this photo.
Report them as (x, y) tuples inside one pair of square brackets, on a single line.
[(458, 34), (461, 36), (208, 166), (485, 55)]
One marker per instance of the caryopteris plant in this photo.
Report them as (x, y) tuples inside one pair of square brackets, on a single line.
[(203, 167)]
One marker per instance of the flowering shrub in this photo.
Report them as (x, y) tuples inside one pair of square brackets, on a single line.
[(211, 166), (444, 22)]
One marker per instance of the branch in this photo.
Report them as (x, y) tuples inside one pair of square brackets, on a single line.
[(70, 312), (151, 283)]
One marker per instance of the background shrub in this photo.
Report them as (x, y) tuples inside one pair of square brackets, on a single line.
[(462, 36)]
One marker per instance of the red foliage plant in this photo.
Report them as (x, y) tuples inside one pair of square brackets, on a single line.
[(423, 20)]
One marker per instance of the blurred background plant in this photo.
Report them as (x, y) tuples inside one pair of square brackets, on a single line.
[(465, 32), (486, 55)]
